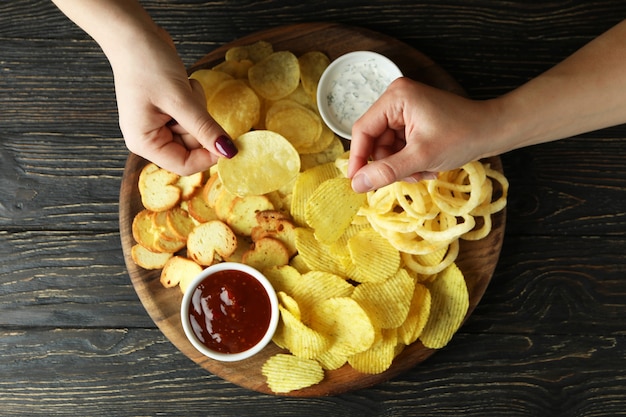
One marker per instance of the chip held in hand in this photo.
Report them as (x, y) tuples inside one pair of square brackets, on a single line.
[(266, 161)]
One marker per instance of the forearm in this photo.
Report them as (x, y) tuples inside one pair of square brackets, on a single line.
[(116, 25), (585, 92)]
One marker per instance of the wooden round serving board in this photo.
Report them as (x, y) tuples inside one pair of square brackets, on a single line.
[(477, 260)]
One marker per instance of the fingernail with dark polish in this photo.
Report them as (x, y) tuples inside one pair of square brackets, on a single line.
[(226, 147)]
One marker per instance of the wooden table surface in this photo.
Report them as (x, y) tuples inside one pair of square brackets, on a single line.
[(548, 339)]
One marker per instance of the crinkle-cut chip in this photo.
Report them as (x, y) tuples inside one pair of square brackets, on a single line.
[(266, 253), (298, 263), (283, 278), (379, 357), (157, 188), (276, 75), (328, 154), (449, 304), (374, 258), (331, 208), (254, 52), (236, 69), (286, 373), (411, 329), (147, 259), (299, 125), (340, 250), (235, 106), (179, 271), (306, 183), (243, 210), (266, 161), (188, 184), (347, 326), (290, 304), (210, 80), (300, 339), (316, 256), (209, 238), (432, 263), (312, 65), (317, 286), (387, 302)]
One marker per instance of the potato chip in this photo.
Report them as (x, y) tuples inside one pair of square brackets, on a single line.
[(306, 183), (312, 65), (315, 255), (388, 302), (286, 373), (283, 278), (416, 319), (290, 304), (243, 174), (449, 304), (299, 339), (236, 69), (254, 52), (348, 327), (328, 154), (379, 357), (299, 125), (275, 76), (210, 80), (331, 208), (317, 286), (235, 106), (373, 257)]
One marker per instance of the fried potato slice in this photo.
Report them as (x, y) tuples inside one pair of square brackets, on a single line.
[(305, 185), (286, 373), (322, 213), (276, 75), (243, 174), (312, 65), (235, 106), (449, 304)]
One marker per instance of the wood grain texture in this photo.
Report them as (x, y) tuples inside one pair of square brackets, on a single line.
[(547, 338)]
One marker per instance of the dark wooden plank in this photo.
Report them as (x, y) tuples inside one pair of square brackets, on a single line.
[(66, 279), (136, 372)]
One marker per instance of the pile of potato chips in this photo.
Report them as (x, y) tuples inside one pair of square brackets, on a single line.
[(359, 276)]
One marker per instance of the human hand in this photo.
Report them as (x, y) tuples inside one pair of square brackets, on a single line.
[(414, 131), (162, 113)]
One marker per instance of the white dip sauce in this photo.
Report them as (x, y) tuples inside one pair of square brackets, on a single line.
[(354, 90)]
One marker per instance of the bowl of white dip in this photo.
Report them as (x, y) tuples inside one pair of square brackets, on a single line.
[(350, 85)]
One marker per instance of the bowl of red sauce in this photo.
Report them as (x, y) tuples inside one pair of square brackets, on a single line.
[(229, 312)]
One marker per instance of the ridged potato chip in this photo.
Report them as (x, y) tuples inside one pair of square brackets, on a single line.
[(300, 339), (373, 257), (379, 357), (306, 183), (449, 304), (287, 373), (275, 76), (348, 327), (245, 174), (317, 286), (416, 319), (331, 208), (387, 303)]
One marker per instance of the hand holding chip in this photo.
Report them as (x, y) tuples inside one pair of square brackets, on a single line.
[(414, 131)]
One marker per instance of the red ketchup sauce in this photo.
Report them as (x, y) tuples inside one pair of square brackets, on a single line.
[(229, 311)]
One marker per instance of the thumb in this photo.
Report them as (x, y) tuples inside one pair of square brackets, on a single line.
[(395, 167), (197, 122)]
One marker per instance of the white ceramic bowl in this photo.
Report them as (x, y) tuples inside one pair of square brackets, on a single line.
[(189, 300), (350, 85)]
